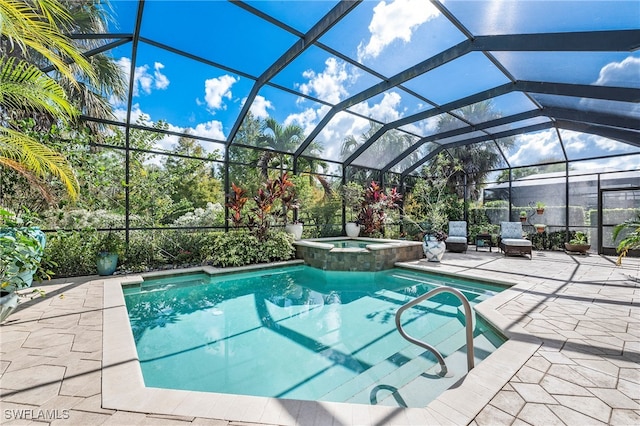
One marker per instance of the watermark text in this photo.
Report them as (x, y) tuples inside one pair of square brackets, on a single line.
[(35, 414)]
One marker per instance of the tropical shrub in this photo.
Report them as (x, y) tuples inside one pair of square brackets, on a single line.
[(374, 208), (72, 252), (632, 239), (244, 248)]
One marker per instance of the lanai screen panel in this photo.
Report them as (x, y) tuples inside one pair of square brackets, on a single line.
[(580, 146), (389, 106), (207, 103), (324, 76), (122, 56), (390, 145), (532, 148), (520, 124), (396, 35), (525, 17), (458, 78), (507, 105), (342, 136), (416, 155), (605, 165), (616, 69), (624, 109), (289, 12), (375, 43), (296, 116), (217, 31)]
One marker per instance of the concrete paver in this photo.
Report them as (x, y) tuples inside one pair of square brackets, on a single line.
[(585, 310)]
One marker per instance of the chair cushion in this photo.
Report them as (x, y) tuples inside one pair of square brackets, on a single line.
[(511, 230), (519, 242), (454, 239), (458, 228)]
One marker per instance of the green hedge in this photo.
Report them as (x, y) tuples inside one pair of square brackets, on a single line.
[(73, 253)]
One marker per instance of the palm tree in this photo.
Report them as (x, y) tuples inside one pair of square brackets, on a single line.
[(477, 160), (278, 139), (89, 95), (34, 27)]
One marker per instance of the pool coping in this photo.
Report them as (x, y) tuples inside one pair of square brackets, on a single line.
[(375, 243), (123, 385)]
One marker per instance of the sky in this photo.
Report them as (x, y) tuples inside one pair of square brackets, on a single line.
[(385, 37)]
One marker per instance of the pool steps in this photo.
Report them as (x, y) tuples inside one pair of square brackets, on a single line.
[(390, 375)]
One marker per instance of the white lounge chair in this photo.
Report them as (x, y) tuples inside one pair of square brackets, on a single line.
[(457, 240)]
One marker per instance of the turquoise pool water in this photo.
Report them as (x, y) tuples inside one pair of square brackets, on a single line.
[(348, 243), (298, 332)]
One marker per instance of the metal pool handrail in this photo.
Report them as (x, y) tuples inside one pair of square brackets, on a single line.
[(468, 325)]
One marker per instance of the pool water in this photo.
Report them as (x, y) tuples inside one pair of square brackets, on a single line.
[(348, 243), (298, 332)]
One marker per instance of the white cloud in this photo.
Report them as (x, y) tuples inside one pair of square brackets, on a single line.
[(328, 85), (576, 142), (211, 129), (393, 21), (532, 148), (161, 80), (423, 127), (339, 128), (144, 80), (306, 119), (385, 111), (573, 142), (622, 74), (217, 89), (260, 106)]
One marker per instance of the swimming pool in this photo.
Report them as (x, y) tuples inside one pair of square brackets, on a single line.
[(300, 333)]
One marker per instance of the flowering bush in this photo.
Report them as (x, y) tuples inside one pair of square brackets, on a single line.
[(273, 202), (375, 204), (208, 216)]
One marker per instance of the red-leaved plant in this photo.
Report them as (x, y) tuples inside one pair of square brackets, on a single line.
[(374, 208)]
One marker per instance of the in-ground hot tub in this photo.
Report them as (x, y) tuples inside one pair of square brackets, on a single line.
[(356, 254)]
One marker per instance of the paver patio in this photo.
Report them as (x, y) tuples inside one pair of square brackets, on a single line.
[(585, 310)]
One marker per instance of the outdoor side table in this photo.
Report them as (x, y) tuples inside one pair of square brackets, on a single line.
[(484, 240)]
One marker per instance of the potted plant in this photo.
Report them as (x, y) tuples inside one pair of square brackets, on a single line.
[(540, 207), (540, 227), (523, 216), (109, 246), (21, 249), (429, 200), (578, 243), (434, 245), (286, 192), (353, 196)]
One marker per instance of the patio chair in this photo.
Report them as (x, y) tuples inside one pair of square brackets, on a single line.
[(511, 240), (457, 240)]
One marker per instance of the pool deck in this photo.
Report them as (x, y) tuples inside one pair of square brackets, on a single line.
[(574, 359)]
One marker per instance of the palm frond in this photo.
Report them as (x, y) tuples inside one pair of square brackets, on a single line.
[(31, 178), (34, 25), (36, 158), (24, 87)]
